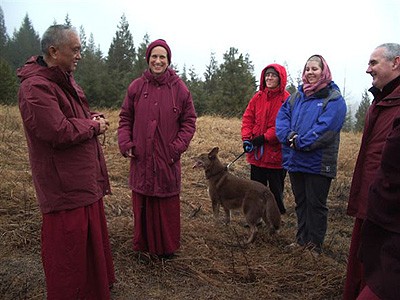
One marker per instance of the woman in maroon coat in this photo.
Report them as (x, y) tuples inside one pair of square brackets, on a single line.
[(157, 123)]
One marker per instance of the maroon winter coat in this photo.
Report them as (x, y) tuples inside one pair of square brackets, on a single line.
[(384, 195), (259, 118), (380, 247), (378, 123), (157, 121), (68, 166)]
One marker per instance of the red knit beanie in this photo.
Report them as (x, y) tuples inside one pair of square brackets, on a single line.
[(159, 42)]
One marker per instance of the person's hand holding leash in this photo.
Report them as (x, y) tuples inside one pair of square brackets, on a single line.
[(258, 140), (247, 146)]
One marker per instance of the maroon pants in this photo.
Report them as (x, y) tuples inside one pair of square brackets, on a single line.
[(355, 280), (157, 225), (367, 294), (76, 254)]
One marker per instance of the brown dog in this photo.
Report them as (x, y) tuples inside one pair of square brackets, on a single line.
[(232, 192)]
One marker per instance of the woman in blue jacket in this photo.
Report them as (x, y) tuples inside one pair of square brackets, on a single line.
[(308, 126)]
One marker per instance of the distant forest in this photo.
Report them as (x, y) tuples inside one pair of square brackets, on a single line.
[(224, 89)]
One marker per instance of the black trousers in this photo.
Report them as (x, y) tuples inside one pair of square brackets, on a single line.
[(310, 194), (274, 178)]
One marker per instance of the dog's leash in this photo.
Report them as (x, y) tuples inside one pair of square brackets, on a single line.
[(261, 148), (235, 159)]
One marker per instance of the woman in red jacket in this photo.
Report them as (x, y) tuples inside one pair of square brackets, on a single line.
[(157, 122), (258, 131)]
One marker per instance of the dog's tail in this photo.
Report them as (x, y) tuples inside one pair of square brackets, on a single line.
[(272, 213)]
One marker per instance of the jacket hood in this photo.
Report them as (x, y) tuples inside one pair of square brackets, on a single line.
[(33, 68), (282, 75)]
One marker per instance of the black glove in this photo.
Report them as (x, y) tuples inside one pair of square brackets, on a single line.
[(247, 146), (258, 140)]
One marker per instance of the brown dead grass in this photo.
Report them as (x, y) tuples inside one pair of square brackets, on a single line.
[(210, 264)]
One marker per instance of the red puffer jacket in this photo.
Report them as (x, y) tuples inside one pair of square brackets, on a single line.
[(68, 166)]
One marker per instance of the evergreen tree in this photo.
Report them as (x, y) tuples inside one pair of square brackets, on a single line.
[(236, 84), (140, 63), (210, 86), (211, 69), (67, 21), (196, 88), (91, 73), (3, 36), (24, 43), (348, 122), (121, 56), (82, 37), (361, 112), (8, 84), (291, 86), (184, 75)]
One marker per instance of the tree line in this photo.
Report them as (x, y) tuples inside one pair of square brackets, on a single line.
[(225, 89)]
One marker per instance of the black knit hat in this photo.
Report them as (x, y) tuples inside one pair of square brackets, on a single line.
[(271, 70)]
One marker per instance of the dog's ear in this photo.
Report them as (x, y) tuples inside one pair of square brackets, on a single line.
[(213, 153)]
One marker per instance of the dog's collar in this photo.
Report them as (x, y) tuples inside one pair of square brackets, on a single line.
[(210, 175)]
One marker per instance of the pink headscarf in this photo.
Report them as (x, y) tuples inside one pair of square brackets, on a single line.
[(326, 77)]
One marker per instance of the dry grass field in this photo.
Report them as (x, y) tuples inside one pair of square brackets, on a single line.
[(210, 264)]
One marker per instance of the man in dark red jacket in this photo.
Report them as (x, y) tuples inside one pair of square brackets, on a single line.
[(68, 170), (380, 235), (384, 67)]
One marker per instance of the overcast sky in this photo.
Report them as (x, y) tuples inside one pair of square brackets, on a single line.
[(345, 32)]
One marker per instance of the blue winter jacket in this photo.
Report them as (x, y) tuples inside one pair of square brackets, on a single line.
[(317, 121)]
